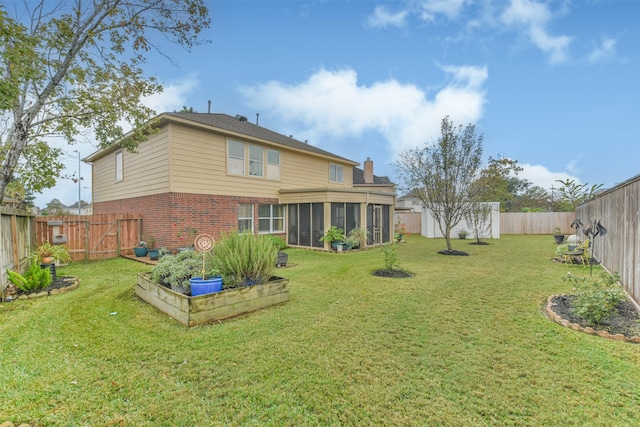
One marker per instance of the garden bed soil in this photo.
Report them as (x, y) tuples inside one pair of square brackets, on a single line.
[(392, 273), (453, 252), (625, 321), (61, 285)]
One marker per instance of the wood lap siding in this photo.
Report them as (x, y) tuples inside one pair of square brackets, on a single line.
[(144, 172), (198, 165)]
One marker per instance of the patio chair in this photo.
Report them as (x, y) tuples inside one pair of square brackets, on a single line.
[(579, 253)]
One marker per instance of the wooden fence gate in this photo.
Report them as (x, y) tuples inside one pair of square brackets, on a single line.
[(91, 237)]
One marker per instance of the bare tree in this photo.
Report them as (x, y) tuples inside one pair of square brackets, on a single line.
[(478, 219), (441, 175)]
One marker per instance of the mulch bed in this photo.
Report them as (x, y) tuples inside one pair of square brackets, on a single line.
[(398, 274), (453, 252), (60, 285), (625, 321)]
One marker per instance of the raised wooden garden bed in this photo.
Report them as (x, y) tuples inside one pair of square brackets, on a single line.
[(192, 311)]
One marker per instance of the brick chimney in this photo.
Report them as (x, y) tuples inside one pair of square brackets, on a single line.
[(368, 171)]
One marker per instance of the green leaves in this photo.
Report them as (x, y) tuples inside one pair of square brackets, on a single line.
[(34, 279), (77, 70), (596, 297)]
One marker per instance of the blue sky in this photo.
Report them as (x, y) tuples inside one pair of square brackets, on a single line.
[(554, 84)]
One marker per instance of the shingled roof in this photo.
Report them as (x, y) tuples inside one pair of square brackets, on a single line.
[(239, 124), (358, 178)]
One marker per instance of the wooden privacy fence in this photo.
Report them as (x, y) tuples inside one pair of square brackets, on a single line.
[(618, 210), (91, 237), (536, 222), (15, 235), (411, 220)]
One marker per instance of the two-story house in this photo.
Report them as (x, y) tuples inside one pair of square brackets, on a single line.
[(212, 173)]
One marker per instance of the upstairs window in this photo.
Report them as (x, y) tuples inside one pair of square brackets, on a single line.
[(235, 157), (273, 164), (255, 161), (119, 166), (335, 173)]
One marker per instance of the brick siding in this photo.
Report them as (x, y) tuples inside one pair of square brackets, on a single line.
[(169, 214)]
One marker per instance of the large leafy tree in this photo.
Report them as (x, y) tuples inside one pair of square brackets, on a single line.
[(441, 175), (571, 194), (72, 67)]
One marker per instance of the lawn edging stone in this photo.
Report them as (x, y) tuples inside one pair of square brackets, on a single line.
[(586, 329)]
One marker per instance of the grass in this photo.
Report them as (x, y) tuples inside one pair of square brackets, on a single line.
[(463, 342)]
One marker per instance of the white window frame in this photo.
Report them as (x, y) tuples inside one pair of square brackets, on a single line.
[(233, 160), (272, 219), (336, 173), (245, 218), (119, 158), (256, 165), (273, 168)]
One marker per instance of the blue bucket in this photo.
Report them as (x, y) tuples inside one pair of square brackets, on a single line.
[(200, 286)]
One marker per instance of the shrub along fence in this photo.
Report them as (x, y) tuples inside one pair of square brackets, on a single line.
[(619, 250), (91, 237)]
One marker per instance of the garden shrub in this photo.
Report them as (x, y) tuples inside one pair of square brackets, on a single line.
[(596, 297), (391, 259), (34, 279), (244, 259), (277, 241), (176, 270)]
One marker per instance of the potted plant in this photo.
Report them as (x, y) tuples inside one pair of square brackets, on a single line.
[(558, 236), (152, 251), (462, 234), (46, 253), (335, 236), (141, 249), (400, 229), (357, 238)]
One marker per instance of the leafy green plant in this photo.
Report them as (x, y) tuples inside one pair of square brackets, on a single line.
[(45, 250), (596, 297), (34, 279), (277, 241), (391, 258), (562, 249), (176, 270), (333, 234), (357, 238), (244, 259)]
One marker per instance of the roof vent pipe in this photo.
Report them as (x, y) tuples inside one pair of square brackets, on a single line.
[(209, 107), (257, 119)]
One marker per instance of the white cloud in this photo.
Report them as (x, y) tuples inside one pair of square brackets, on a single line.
[(173, 97), (333, 104), (382, 17), (533, 18), (543, 177), (450, 8), (603, 52)]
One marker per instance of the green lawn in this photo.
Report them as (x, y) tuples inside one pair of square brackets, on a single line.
[(462, 343)]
